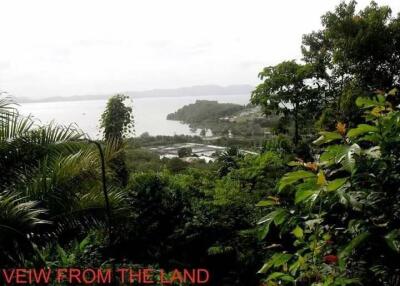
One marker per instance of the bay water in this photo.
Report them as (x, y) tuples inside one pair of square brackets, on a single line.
[(150, 114)]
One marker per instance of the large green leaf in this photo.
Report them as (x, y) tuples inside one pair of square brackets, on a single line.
[(336, 184), (303, 195), (280, 217), (270, 201), (270, 216), (327, 137), (361, 130), (277, 216), (298, 232), (306, 190), (293, 177), (263, 230), (348, 161), (278, 259), (343, 154), (371, 137), (370, 102), (280, 276), (333, 154)]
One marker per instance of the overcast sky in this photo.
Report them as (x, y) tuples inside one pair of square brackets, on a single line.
[(68, 47)]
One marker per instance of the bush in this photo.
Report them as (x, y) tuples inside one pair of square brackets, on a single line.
[(338, 217)]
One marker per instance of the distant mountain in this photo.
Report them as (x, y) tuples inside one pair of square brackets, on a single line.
[(198, 90)]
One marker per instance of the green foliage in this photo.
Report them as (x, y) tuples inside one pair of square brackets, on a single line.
[(49, 186), (225, 119), (209, 219), (363, 42), (300, 215), (343, 206), (19, 217), (117, 119), (280, 144), (293, 177), (228, 160), (354, 53), (285, 91), (176, 165), (157, 206), (117, 123), (204, 110), (141, 160), (85, 252)]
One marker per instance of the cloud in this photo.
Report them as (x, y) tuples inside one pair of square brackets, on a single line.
[(250, 64), (70, 47), (4, 65)]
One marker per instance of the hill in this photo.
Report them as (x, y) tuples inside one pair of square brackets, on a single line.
[(198, 90), (204, 110)]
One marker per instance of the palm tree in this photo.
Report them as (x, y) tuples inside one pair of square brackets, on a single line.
[(49, 184)]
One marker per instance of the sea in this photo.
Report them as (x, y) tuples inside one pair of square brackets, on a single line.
[(150, 114)]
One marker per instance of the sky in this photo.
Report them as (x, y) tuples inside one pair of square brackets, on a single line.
[(80, 47)]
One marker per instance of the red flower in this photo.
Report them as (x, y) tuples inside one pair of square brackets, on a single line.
[(330, 259)]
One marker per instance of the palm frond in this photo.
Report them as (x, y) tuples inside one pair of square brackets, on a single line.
[(14, 126), (90, 211), (6, 106), (52, 167), (61, 180), (18, 214), (19, 219), (56, 134), (113, 148), (95, 199)]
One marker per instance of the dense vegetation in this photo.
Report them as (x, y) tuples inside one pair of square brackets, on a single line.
[(319, 204), (225, 119), (334, 218), (204, 110)]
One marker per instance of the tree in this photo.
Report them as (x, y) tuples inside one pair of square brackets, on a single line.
[(354, 53), (338, 217), (288, 89), (117, 123), (365, 44), (49, 186), (158, 209), (117, 119)]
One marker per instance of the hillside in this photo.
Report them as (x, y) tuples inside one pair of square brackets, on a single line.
[(204, 110), (198, 90)]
